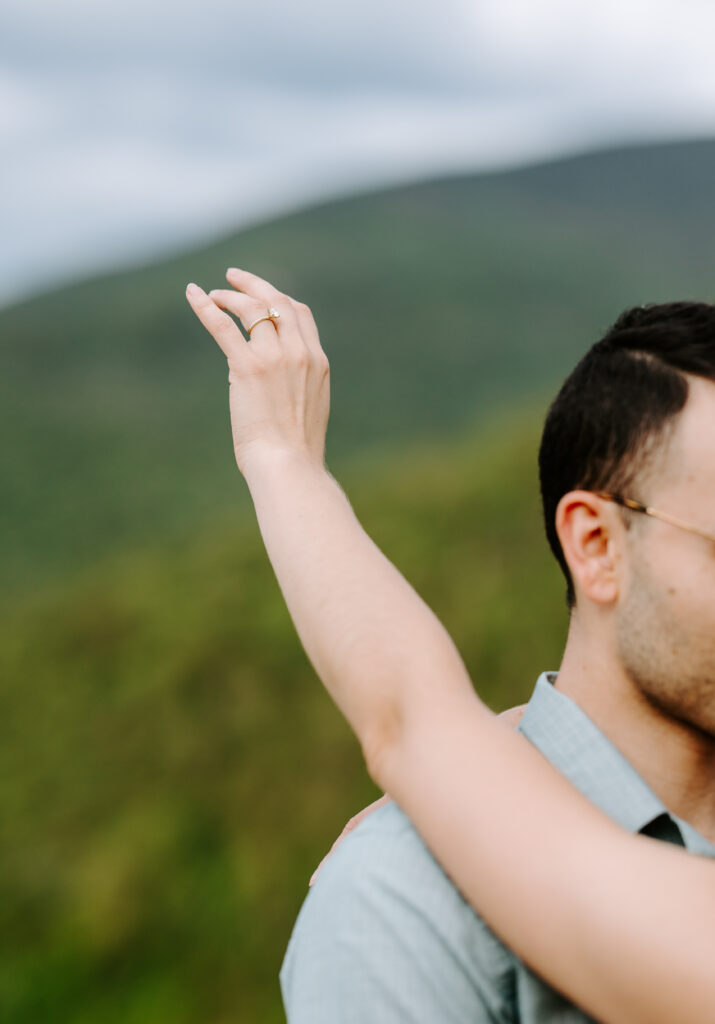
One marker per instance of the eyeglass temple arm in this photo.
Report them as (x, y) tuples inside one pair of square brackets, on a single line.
[(638, 506)]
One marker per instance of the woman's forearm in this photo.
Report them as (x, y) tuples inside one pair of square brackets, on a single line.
[(372, 640)]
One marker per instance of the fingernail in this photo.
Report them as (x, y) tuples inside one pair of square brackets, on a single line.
[(233, 270), (193, 289)]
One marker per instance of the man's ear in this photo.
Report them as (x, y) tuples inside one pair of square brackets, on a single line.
[(590, 533)]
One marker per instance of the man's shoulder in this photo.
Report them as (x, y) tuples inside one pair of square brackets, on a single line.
[(384, 843), (384, 867), (384, 926), (387, 825)]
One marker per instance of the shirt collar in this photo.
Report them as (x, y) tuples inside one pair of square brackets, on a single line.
[(567, 737)]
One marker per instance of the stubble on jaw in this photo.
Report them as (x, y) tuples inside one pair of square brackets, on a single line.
[(665, 637), (667, 655)]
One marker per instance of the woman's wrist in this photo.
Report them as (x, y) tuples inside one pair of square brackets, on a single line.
[(266, 462)]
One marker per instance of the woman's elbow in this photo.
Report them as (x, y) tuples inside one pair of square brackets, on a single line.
[(380, 742)]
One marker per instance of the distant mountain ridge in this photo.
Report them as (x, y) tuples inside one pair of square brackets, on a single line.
[(437, 302)]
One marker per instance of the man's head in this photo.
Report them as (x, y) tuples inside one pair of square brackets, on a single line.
[(636, 418)]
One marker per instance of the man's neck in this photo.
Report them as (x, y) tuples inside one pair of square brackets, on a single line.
[(676, 760)]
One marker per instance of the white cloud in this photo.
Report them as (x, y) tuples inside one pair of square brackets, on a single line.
[(127, 124), (26, 108)]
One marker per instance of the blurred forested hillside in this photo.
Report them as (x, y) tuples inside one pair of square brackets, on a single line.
[(171, 772), (436, 303)]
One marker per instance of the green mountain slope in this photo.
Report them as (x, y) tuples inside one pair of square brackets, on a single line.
[(436, 303)]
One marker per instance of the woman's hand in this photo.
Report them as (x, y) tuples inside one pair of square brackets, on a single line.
[(279, 380), (352, 823)]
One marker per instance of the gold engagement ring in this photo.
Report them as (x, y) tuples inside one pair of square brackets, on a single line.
[(272, 314)]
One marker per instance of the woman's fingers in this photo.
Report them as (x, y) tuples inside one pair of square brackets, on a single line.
[(217, 323), (309, 330), (249, 310), (295, 327), (263, 291), (354, 821), (255, 286), (261, 296), (512, 716)]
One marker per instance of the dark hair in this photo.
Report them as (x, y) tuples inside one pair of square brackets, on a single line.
[(613, 410)]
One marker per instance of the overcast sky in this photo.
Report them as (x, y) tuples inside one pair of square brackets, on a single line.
[(128, 127)]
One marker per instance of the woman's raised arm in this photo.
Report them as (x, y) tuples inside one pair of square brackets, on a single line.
[(624, 926)]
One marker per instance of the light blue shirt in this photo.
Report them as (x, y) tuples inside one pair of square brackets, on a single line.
[(384, 937)]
